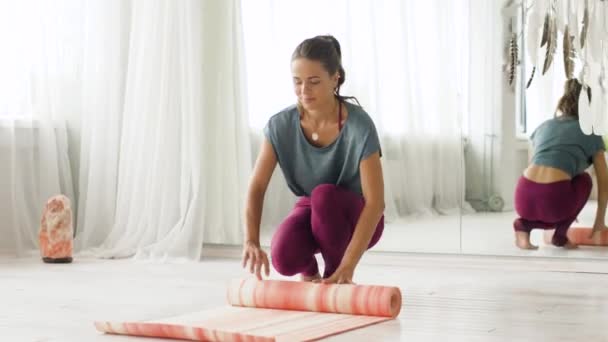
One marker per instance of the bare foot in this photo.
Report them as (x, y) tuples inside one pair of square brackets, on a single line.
[(522, 240), (314, 279), (570, 245)]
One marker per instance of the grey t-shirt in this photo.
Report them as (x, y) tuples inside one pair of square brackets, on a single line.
[(305, 166), (560, 143)]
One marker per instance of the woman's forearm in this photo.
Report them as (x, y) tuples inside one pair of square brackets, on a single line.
[(253, 216), (364, 230), (602, 201)]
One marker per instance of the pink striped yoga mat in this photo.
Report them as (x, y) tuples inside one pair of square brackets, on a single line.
[(580, 236), (273, 310)]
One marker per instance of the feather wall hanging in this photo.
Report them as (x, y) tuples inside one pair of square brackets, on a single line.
[(551, 36), (534, 25), (581, 28), (585, 28), (513, 55), (569, 53), (585, 114), (531, 77), (546, 30), (594, 35)]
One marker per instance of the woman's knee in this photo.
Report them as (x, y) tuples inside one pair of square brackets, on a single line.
[(323, 198), (377, 234), (289, 254), (282, 259), (323, 193)]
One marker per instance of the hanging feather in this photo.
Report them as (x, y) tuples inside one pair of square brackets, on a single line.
[(569, 53), (573, 24), (546, 30), (513, 54), (551, 45), (585, 28), (595, 97), (584, 113), (531, 77)]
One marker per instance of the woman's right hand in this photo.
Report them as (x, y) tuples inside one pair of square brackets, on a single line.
[(257, 258), (598, 228)]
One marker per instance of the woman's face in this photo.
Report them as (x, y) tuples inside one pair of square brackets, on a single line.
[(313, 85)]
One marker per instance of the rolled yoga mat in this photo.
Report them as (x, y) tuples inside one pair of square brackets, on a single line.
[(580, 236), (274, 310)]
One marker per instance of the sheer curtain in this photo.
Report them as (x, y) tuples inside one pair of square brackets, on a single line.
[(168, 161), (106, 31), (38, 91), (404, 61), (153, 96)]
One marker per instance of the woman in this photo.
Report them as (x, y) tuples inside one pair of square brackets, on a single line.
[(329, 152), (555, 187)]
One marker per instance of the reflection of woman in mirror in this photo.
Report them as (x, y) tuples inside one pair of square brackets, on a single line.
[(329, 152), (555, 187)]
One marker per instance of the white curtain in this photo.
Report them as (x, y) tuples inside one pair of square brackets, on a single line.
[(160, 115), (39, 73), (168, 159), (404, 61), (153, 96), (106, 31)]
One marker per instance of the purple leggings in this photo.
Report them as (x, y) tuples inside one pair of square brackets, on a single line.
[(323, 222), (552, 205)]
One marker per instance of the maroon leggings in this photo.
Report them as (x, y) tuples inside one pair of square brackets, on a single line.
[(323, 222), (552, 205)]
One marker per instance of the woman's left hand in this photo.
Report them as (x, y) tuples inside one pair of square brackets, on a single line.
[(342, 275)]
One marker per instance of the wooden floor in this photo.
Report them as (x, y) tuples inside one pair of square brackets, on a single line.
[(446, 297)]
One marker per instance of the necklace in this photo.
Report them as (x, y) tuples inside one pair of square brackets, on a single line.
[(315, 135)]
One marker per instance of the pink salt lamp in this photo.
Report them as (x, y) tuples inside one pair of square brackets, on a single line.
[(56, 232)]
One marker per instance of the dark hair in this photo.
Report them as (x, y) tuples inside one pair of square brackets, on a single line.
[(568, 103), (324, 49)]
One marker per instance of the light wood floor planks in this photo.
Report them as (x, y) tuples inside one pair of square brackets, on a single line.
[(446, 297)]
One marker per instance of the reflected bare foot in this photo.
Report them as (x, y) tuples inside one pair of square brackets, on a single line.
[(522, 240)]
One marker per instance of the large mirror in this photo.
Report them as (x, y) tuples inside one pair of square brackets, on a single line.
[(529, 88), (405, 64)]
